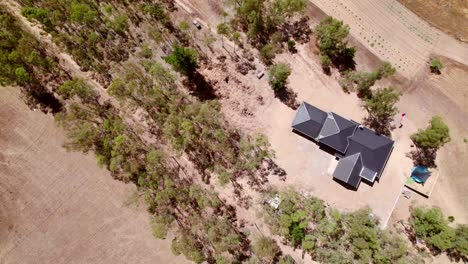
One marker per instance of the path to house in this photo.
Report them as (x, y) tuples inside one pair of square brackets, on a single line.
[(394, 33)]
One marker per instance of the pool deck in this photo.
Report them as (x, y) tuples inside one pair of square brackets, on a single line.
[(426, 188)]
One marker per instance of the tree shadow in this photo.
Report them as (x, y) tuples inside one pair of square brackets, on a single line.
[(423, 157), (200, 87), (288, 97), (382, 127), (38, 96), (298, 30)]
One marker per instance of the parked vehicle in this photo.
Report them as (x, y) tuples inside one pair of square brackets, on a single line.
[(196, 24)]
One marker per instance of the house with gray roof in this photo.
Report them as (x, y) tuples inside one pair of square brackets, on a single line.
[(363, 153)]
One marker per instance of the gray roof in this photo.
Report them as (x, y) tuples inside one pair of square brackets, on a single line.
[(374, 149), (336, 131), (368, 174), (348, 169), (365, 152), (309, 120)]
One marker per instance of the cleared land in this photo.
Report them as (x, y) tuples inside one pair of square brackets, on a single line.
[(394, 33), (450, 16), (59, 206), (309, 168)]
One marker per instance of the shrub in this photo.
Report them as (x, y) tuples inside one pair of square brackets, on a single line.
[(183, 60), (266, 248), (292, 46), (268, 53), (434, 136), (430, 225), (278, 76), (436, 66)]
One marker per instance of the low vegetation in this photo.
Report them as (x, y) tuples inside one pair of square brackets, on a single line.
[(25, 62), (270, 24), (96, 34), (428, 141), (331, 39), (330, 236), (436, 66), (430, 225), (175, 124), (278, 76), (362, 82), (381, 108)]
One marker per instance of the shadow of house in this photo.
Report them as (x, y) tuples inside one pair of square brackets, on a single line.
[(362, 153)]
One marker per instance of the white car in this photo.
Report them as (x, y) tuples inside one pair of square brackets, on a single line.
[(260, 74), (196, 24)]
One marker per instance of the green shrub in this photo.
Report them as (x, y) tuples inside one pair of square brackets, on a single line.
[(436, 65), (268, 53), (278, 76)]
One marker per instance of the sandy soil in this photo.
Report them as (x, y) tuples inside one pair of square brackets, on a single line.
[(445, 95), (308, 167), (60, 207), (450, 16), (394, 33)]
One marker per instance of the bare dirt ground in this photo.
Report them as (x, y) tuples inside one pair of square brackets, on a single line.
[(309, 168), (394, 33), (59, 206), (445, 95), (450, 16)]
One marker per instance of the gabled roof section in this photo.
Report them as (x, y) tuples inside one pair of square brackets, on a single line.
[(348, 169), (336, 131), (309, 120), (330, 127), (373, 148), (368, 174)]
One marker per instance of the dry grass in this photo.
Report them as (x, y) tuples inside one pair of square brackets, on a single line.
[(60, 207), (450, 16)]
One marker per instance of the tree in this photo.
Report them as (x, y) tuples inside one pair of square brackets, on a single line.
[(436, 65), (287, 8), (332, 41), (278, 76), (187, 245), (268, 53), (385, 70), (266, 249), (434, 136), (224, 30), (460, 243), (430, 225), (381, 108), (183, 60), (79, 88), (326, 63), (82, 13), (236, 37), (292, 46)]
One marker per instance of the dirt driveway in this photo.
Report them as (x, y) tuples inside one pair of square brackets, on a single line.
[(60, 207)]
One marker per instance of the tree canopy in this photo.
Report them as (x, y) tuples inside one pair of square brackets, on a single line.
[(434, 136), (332, 42), (381, 108), (183, 60), (266, 248), (278, 76)]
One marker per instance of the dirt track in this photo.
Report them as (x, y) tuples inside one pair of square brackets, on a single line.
[(394, 33), (60, 207)]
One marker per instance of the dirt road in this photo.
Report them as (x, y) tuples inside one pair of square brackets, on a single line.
[(66, 62), (394, 33)]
